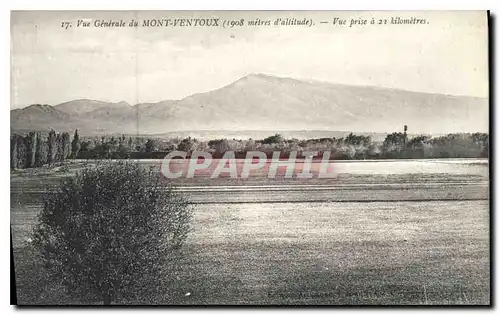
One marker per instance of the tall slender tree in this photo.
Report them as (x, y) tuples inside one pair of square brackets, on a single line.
[(42, 151), (75, 145), (21, 152), (31, 144), (66, 145), (405, 128), (39, 154), (52, 147), (13, 151)]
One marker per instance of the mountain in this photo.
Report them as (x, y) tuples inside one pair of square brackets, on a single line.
[(83, 106), (269, 103), (39, 117), (39, 112)]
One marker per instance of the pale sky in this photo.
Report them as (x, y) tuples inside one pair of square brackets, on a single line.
[(51, 65)]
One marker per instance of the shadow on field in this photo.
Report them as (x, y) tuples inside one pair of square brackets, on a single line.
[(259, 279), (250, 276)]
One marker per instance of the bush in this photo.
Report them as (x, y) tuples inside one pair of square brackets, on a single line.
[(112, 233), (277, 138), (187, 145)]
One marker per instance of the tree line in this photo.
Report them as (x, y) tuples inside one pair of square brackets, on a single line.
[(33, 150), (395, 145)]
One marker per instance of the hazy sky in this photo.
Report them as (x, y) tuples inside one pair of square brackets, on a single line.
[(51, 65)]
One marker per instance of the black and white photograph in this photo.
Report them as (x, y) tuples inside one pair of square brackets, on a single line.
[(250, 158)]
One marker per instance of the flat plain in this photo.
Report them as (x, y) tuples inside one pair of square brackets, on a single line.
[(386, 232)]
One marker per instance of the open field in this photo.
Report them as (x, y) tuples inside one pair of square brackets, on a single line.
[(417, 234)]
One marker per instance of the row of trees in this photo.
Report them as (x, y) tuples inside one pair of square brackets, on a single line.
[(395, 145), (33, 151)]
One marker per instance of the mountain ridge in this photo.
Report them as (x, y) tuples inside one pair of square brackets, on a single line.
[(258, 74), (266, 102)]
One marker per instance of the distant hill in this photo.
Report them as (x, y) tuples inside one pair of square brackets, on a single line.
[(79, 107), (269, 104), (39, 117)]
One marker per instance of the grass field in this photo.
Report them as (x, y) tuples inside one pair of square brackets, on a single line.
[(306, 252)]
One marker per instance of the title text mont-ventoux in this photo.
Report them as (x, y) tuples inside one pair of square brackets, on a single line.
[(225, 23)]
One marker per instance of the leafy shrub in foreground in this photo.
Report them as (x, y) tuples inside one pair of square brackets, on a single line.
[(112, 234)]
